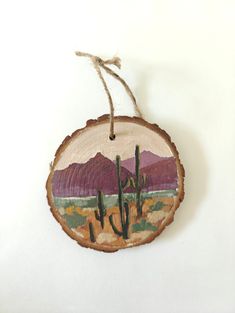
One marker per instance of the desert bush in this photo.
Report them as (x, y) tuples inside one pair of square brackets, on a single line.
[(143, 225), (157, 206), (74, 220)]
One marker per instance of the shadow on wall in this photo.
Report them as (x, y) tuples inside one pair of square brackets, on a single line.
[(164, 87)]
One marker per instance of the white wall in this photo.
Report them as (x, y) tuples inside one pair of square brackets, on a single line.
[(179, 58)]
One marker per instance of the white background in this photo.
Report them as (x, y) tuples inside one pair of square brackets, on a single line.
[(179, 59)]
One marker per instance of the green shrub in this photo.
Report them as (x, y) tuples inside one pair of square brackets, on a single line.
[(143, 225), (157, 206), (75, 219)]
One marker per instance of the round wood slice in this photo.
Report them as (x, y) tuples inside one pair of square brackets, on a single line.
[(115, 194)]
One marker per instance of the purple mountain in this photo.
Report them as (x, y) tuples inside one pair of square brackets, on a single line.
[(146, 158), (80, 180), (99, 173), (161, 175)]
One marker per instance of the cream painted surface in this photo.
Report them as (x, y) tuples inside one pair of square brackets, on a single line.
[(96, 139), (140, 236), (156, 216), (105, 238)]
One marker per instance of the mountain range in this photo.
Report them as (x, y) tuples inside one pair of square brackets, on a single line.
[(99, 173)]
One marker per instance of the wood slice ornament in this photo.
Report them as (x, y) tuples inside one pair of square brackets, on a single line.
[(117, 182)]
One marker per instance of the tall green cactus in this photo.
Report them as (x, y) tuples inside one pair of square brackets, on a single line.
[(102, 211), (139, 182), (123, 206)]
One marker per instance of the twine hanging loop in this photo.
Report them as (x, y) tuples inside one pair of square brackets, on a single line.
[(100, 63)]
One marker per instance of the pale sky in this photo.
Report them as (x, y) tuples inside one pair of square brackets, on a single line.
[(96, 139)]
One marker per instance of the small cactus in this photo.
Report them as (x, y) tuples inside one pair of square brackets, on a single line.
[(91, 231), (99, 215)]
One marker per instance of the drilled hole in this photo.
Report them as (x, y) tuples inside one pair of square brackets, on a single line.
[(112, 137)]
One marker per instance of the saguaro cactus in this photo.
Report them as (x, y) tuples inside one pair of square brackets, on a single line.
[(102, 211), (139, 182), (123, 206)]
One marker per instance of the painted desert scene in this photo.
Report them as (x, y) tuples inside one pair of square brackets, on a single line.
[(115, 196)]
